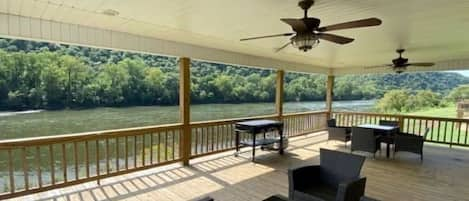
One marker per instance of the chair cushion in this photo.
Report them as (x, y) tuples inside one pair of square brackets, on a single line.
[(316, 193)]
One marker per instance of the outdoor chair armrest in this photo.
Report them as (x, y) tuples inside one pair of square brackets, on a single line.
[(409, 137), (351, 190)]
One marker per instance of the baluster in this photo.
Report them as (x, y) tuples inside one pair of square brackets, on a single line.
[(107, 155), (135, 151), (126, 150), (223, 136), (452, 132), (444, 134), (431, 130), (143, 150), (151, 148), (97, 159), (87, 161), (212, 136), (196, 143), (117, 154), (438, 134), (459, 130), (10, 170), (202, 140), (39, 170), (25, 168), (420, 126), (229, 136), (52, 163), (467, 128), (75, 152), (174, 150), (166, 146), (64, 163), (159, 148)]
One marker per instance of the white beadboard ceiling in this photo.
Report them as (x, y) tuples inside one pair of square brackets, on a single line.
[(431, 31)]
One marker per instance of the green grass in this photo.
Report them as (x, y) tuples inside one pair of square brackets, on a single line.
[(441, 131), (449, 112)]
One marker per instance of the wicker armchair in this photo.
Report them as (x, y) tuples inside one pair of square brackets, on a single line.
[(337, 178), (410, 143), (342, 134), (364, 139)]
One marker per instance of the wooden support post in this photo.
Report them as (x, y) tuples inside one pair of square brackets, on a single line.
[(279, 94), (184, 108), (329, 95)]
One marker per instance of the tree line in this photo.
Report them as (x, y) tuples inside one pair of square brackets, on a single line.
[(403, 100), (36, 75)]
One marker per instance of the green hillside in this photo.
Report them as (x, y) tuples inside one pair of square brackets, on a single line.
[(36, 75)]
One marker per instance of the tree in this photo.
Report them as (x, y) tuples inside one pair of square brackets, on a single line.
[(459, 93), (393, 101)]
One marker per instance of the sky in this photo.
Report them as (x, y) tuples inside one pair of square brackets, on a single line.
[(462, 72)]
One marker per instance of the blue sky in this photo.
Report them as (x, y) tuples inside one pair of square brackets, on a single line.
[(462, 72)]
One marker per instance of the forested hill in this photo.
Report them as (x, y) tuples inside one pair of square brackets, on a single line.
[(37, 75), (375, 85)]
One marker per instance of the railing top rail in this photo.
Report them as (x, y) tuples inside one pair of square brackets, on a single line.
[(9, 143), (227, 121), (406, 116)]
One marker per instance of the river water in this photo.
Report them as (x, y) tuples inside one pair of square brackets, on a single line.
[(43, 123)]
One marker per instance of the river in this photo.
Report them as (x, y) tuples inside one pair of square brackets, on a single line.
[(43, 122)]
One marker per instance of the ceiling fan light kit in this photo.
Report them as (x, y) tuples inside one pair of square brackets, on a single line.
[(304, 42), (307, 33)]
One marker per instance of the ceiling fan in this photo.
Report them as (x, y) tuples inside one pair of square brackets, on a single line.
[(306, 31), (400, 64)]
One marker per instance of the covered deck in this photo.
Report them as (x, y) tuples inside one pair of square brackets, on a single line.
[(188, 160), (441, 176)]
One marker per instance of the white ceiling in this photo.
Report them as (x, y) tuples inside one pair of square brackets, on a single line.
[(431, 30)]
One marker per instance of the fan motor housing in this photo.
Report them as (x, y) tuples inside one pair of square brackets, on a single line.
[(306, 4), (400, 61), (312, 23)]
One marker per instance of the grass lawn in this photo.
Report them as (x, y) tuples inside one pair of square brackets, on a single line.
[(449, 112), (443, 131)]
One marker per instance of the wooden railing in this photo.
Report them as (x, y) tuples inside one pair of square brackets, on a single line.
[(38, 164), (451, 131), (210, 137), (303, 123)]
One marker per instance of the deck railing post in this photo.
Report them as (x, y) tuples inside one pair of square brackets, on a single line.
[(401, 123), (279, 94), (329, 95), (184, 108)]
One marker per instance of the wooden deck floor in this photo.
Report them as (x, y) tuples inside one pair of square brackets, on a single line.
[(444, 175)]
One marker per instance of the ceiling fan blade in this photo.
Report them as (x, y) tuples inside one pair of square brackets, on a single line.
[(421, 64), (298, 25), (283, 47), (335, 38), (269, 36), (353, 24)]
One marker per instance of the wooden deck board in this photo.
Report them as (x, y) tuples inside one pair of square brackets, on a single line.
[(442, 176)]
